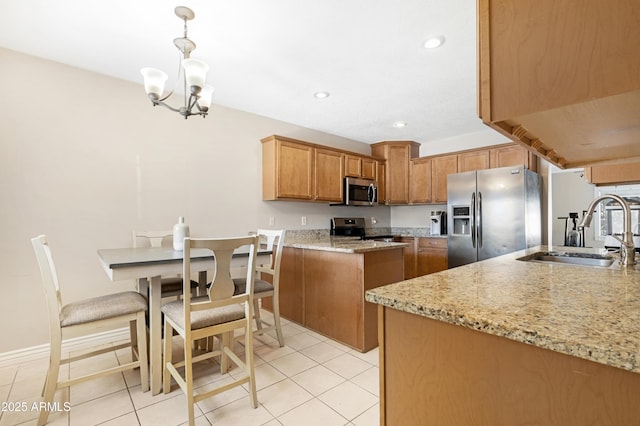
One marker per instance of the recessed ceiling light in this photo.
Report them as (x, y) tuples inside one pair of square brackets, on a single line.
[(434, 42), (400, 124), (321, 95)]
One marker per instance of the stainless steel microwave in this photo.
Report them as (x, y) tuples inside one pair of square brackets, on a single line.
[(360, 192)]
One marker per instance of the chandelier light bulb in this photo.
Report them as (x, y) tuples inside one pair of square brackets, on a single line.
[(197, 98), (154, 80), (204, 101), (195, 72)]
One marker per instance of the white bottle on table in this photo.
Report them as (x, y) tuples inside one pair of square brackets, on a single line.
[(180, 232)]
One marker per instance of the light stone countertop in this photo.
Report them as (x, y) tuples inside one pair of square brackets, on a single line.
[(587, 312), (339, 244)]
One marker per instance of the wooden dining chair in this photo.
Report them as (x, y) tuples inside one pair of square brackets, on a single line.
[(86, 317), (218, 313), (272, 240), (170, 286)]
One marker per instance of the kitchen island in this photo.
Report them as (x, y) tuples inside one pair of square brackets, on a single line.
[(323, 281), (507, 342)]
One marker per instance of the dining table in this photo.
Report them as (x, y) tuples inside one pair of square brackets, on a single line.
[(147, 265)]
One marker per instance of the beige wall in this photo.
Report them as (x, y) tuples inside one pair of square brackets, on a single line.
[(85, 159)]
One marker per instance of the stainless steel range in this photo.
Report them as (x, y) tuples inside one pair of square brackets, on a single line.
[(354, 227)]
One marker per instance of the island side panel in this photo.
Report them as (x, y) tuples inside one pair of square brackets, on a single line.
[(380, 268), (441, 374), (334, 295), (291, 286)]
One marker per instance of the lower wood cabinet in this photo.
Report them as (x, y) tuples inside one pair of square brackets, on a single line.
[(409, 256), (424, 255), (324, 291), (434, 373), (432, 255)]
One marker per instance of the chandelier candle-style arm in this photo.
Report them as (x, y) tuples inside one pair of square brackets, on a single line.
[(197, 99)]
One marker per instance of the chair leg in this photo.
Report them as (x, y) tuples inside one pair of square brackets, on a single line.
[(248, 360), (188, 377), (256, 314), (276, 320), (167, 359), (141, 345), (51, 382), (133, 333), (226, 341)]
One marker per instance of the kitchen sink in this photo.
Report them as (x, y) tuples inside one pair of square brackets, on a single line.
[(571, 258)]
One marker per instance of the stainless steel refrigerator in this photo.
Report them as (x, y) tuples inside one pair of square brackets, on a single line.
[(492, 212)]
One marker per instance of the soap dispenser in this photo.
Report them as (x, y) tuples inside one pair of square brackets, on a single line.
[(180, 232)]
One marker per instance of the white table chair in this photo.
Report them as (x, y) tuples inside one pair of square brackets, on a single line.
[(218, 313), (84, 318), (171, 286), (274, 241)]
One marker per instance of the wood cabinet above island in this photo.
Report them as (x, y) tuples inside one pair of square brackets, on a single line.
[(503, 342), (561, 77)]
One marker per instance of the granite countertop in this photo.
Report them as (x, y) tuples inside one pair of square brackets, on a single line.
[(339, 244), (587, 312)]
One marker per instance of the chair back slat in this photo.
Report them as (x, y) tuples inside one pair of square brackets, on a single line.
[(49, 280), (222, 288), (152, 238), (274, 243)]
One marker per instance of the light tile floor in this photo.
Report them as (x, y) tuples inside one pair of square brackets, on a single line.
[(313, 380)]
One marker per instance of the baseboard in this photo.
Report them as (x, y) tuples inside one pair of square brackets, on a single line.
[(21, 356)]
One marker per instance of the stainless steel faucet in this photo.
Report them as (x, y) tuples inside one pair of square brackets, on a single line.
[(627, 250)]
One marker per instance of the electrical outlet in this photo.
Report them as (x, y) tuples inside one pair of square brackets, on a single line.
[(272, 221), (303, 221), (374, 220)]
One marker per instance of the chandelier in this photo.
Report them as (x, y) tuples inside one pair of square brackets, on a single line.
[(197, 95)]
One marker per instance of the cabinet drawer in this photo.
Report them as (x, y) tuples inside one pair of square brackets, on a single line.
[(432, 242)]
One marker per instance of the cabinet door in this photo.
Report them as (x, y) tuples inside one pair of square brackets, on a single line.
[(398, 174), (431, 256), (511, 155), (473, 160), (329, 175), (442, 166), (420, 181), (353, 166), (294, 168), (369, 168), (382, 180), (291, 286), (409, 255), (613, 174)]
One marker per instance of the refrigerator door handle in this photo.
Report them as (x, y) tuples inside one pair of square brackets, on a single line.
[(479, 219), (473, 219)]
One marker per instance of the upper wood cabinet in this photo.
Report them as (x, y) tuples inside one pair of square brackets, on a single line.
[(362, 167), (294, 170), (287, 170), (369, 168), (613, 174), (561, 77), (420, 180), (441, 167), (398, 154), (329, 175), (473, 160), (512, 155), (381, 178), (353, 166)]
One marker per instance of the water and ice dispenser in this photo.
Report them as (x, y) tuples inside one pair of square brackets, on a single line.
[(461, 216)]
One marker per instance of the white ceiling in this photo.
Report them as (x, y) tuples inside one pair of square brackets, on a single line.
[(270, 56)]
